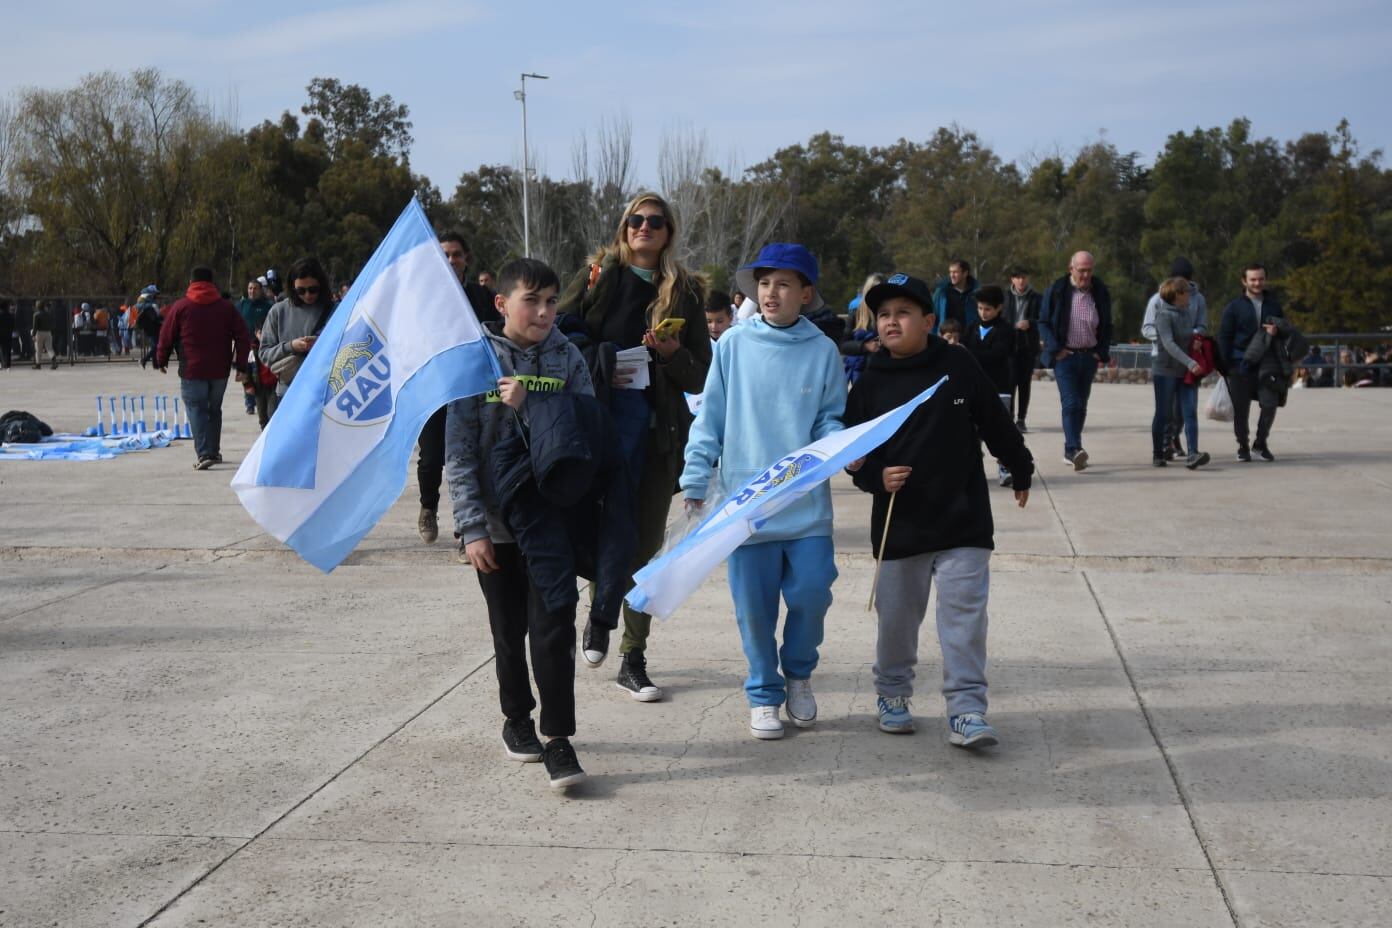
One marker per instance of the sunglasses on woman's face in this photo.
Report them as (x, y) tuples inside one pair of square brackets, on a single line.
[(655, 222), (306, 291)]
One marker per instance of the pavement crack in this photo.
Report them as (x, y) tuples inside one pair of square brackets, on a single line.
[(696, 731), (1170, 764), (196, 881), (1048, 746), (603, 890)]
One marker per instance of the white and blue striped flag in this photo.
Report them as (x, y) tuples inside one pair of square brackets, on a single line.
[(403, 343), (665, 582)]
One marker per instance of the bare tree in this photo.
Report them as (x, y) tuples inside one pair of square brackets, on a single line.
[(682, 159), (608, 177), (763, 206)]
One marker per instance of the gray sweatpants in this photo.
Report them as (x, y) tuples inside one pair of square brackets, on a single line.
[(964, 579)]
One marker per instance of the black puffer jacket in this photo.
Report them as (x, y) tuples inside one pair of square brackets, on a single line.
[(562, 489)]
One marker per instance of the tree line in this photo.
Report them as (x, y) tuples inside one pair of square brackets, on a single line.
[(128, 179)]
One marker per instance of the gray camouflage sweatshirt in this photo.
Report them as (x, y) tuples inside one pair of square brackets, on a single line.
[(475, 424)]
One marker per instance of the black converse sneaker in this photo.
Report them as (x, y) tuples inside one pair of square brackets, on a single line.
[(520, 740), (561, 764), (594, 644), (633, 678)]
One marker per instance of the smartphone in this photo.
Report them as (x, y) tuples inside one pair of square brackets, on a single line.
[(669, 328)]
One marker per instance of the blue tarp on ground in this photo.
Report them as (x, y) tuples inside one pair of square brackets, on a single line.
[(82, 448)]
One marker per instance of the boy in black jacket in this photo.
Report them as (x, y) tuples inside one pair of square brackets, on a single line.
[(943, 529), (991, 342)]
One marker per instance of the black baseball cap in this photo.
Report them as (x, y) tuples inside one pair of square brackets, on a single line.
[(903, 285)]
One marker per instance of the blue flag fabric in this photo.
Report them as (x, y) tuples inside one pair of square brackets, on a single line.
[(667, 580), (403, 343)]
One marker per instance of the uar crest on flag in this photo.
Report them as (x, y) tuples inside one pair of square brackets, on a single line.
[(666, 581), (403, 343)]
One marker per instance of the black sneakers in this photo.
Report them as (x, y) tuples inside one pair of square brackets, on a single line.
[(594, 644), (1196, 460), (520, 741), (562, 766), (633, 678), (1243, 455), (1263, 451)]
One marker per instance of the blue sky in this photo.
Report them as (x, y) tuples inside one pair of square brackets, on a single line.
[(1030, 78)]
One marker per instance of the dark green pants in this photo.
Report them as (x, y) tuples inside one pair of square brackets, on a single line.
[(655, 491)]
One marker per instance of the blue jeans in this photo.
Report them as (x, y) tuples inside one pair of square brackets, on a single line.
[(802, 571), (1074, 377), (203, 400), (1165, 390), (631, 413)]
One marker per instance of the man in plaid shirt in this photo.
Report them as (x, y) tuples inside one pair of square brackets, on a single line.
[(1075, 323)]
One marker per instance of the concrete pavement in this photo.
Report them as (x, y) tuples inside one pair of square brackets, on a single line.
[(1189, 671)]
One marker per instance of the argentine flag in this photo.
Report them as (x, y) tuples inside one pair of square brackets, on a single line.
[(665, 582), (403, 343)]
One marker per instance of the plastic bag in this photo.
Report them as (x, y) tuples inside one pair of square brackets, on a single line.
[(687, 520), (1219, 407)]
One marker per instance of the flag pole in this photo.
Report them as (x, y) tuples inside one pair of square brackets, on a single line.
[(884, 537)]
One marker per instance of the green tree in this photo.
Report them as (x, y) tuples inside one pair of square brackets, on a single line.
[(107, 169), (1344, 289), (350, 113)]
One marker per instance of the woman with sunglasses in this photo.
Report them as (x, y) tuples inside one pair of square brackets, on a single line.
[(293, 324), (626, 296)]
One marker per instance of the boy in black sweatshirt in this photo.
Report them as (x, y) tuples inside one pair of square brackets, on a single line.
[(943, 529), (991, 342)]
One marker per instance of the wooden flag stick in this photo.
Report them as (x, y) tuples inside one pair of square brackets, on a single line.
[(884, 537)]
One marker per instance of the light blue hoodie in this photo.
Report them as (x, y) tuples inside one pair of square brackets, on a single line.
[(770, 391)]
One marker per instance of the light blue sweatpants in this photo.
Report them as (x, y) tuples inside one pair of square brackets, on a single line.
[(801, 571)]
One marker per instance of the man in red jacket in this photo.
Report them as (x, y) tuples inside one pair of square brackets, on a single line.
[(211, 338)]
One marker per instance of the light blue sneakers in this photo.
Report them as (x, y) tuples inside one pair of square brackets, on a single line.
[(894, 715), (970, 730)]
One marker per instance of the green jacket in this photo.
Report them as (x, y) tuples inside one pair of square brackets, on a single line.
[(684, 373)]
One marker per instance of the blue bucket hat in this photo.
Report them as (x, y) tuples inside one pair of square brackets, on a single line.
[(787, 257)]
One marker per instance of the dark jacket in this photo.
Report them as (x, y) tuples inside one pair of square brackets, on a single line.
[(853, 353), (209, 332), (562, 489), (993, 351), (1023, 306), (684, 373), (941, 307), (1238, 325), (39, 321), (1056, 308), (1274, 358), (254, 312), (830, 324), (481, 300), (945, 503)]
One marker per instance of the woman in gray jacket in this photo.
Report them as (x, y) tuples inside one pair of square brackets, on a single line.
[(294, 323), (1168, 368)]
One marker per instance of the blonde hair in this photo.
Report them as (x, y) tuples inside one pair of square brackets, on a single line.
[(864, 317), (1172, 288), (671, 278)]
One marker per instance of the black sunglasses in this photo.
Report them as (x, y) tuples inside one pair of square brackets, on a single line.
[(306, 291), (656, 222)]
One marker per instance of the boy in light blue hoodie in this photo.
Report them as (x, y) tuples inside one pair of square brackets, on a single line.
[(775, 384)]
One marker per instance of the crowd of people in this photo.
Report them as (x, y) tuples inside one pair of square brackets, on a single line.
[(684, 391)]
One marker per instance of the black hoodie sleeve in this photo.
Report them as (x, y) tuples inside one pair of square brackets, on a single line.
[(870, 477), (1002, 438)]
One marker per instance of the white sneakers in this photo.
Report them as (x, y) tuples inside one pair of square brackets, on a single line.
[(802, 705), (764, 723)]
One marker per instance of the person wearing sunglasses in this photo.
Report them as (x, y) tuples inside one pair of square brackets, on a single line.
[(294, 323), (632, 293)]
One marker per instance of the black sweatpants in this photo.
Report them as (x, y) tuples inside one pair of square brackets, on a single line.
[(1243, 388), (516, 613), (430, 468), (1022, 376)]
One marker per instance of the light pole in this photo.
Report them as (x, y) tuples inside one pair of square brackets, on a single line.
[(526, 167)]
